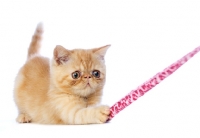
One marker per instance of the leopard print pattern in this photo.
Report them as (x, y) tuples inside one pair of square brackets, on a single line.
[(148, 85)]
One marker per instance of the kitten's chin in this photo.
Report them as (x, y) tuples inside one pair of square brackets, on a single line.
[(85, 92)]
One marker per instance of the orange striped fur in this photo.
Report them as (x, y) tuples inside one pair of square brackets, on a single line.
[(46, 93)]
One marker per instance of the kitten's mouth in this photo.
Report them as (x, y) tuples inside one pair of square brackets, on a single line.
[(88, 85)]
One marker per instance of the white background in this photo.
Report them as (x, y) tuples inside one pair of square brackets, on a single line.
[(146, 36)]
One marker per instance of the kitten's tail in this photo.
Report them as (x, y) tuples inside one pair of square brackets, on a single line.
[(35, 44)]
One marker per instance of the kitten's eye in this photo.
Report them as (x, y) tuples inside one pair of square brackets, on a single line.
[(96, 73), (76, 74)]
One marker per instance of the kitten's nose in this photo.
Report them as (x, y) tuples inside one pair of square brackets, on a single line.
[(87, 76)]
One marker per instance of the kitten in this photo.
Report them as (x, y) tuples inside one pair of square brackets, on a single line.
[(64, 90)]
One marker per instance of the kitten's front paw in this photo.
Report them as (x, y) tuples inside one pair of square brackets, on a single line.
[(102, 114)]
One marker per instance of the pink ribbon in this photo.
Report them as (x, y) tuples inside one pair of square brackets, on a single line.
[(148, 85)]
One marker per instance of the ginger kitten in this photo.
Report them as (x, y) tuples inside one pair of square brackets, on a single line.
[(64, 90)]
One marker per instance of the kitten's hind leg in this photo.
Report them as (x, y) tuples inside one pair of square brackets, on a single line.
[(23, 118)]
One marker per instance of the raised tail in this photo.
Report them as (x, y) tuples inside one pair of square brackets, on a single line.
[(35, 44)]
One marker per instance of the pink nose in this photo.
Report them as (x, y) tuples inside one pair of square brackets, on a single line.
[(87, 76)]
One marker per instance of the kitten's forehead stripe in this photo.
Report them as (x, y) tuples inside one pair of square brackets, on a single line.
[(85, 58)]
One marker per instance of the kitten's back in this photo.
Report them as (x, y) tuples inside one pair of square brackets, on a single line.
[(32, 81)]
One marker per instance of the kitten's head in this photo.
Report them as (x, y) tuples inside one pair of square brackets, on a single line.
[(79, 71)]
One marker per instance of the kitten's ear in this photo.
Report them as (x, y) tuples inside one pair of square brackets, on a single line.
[(61, 55), (101, 51)]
